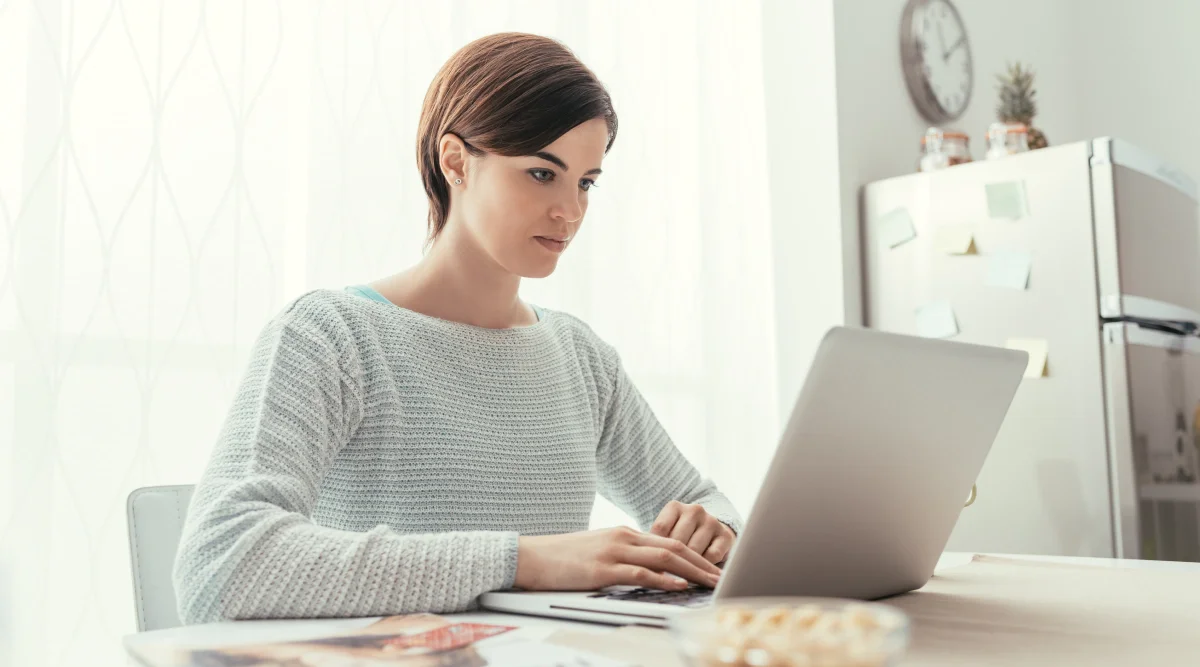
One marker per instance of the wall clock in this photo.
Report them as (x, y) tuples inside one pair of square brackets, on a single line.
[(936, 57)]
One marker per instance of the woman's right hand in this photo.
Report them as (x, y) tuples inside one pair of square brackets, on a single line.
[(609, 557)]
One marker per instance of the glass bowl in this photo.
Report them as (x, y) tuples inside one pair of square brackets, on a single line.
[(792, 632)]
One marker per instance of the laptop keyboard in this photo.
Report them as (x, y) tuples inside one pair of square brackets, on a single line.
[(693, 596)]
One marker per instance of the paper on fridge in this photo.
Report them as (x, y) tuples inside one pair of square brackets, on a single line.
[(936, 320), (895, 228), (1007, 200), (1010, 269), (1039, 355), (954, 240)]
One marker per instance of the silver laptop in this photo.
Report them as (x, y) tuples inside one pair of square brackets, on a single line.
[(885, 440)]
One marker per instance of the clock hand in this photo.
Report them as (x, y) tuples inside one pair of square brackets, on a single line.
[(954, 46), (942, 42)]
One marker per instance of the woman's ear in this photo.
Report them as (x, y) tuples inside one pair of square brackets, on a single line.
[(452, 157)]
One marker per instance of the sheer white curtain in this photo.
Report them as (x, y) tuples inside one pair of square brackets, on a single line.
[(172, 172)]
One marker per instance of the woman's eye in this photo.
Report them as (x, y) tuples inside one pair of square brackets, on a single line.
[(546, 176)]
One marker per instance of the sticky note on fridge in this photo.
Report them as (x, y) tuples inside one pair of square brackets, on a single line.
[(1039, 353), (1007, 200), (1010, 268), (896, 228), (954, 240), (936, 320)]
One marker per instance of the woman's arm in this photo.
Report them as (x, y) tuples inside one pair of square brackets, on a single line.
[(249, 548), (640, 469)]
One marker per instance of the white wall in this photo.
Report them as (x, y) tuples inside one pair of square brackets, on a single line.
[(802, 156), (1138, 75)]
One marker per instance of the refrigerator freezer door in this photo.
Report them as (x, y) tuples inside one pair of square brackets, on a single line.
[(1152, 381), (1147, 235), (1044, 488)]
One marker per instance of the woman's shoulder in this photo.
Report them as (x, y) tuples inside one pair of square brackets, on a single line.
[(318, 306), (333, 314), (585, 341)]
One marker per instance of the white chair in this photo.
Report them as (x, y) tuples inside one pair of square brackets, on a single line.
[(156, 515)]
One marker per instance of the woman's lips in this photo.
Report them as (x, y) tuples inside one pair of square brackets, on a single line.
[(551, 244)]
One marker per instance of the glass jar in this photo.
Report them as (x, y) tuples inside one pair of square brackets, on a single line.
[(792, 631), (1007, 139), (943, 148)]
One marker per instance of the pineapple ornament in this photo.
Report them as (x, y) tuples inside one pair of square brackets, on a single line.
[(1017, 104)]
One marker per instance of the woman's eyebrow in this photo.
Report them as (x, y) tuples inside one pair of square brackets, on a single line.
[(551, 157)]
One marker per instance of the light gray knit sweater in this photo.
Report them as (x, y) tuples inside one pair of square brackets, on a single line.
[(378, 461)]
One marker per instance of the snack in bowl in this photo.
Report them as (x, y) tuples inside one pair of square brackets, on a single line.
[(792, 632)]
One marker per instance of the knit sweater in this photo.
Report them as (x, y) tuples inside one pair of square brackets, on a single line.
[(378, 461)]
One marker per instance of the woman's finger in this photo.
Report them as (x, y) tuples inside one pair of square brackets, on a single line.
[(634, 575), (676, 559), (690, 519), (678, 548), (719, 549), (666, 519), (663, 560), (703, 538)]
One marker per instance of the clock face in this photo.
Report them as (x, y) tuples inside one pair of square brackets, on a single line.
[(938, 59)]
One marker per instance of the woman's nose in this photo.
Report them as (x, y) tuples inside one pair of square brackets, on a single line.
[(569, 209)]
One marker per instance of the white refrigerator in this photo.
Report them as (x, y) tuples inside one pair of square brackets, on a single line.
[(1090, 253)]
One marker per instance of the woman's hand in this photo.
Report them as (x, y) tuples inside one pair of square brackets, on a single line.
[(699, 530), (608, 557)]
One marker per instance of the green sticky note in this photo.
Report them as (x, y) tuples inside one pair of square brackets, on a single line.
[(896, 228), (936, 320), (1007, 200), (1010, 268)]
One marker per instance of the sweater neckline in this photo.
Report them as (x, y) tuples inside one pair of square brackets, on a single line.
[(371, 294)]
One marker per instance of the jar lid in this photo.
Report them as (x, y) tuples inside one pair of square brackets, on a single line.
[(949, 135), (1010, 128)]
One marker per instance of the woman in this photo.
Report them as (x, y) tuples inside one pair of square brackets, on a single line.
[(410, 444)]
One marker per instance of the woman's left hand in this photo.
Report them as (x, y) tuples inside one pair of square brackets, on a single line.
[(696, 528)]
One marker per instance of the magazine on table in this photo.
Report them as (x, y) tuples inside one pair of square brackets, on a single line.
[(415, 640)]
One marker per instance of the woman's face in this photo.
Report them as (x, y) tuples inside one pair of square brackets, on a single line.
[(525, 211)]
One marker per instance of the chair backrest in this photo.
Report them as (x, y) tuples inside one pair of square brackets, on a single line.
[(156, 515)]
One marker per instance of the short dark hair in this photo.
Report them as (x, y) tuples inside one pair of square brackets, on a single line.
[(510, 94)]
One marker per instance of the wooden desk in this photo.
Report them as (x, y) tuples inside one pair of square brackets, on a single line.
[(529, 627)]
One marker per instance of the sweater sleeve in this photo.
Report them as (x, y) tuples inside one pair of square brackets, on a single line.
[(640, 469), (249, 548)]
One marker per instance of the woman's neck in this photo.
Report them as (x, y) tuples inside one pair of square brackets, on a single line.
[(458, 281)]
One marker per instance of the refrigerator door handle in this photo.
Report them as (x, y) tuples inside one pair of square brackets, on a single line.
[(1126, 305), (1121, 334)]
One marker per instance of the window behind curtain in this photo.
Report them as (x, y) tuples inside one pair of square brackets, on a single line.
[(172, 173)]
